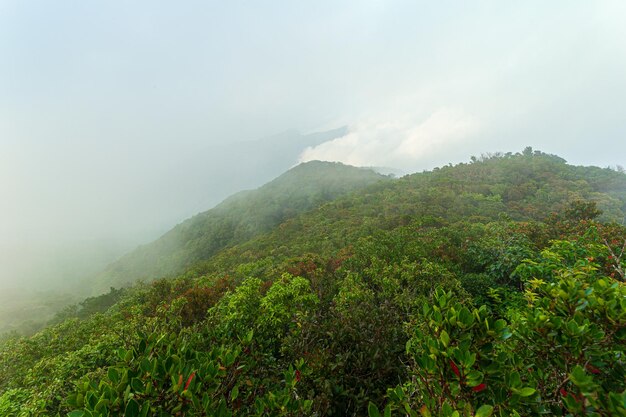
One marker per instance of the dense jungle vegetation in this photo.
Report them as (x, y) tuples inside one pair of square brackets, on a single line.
[(494, 287)]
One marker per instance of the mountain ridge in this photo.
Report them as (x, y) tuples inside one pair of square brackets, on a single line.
[(236, 219), (452, 275), (516, 186)]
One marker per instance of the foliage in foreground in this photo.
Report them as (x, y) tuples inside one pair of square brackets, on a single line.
[(300, 345), (560, 352), (425, 311)]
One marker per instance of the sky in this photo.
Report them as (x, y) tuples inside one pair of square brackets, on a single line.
[(108, 107)]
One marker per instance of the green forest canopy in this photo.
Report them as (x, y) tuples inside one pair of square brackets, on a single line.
[(494, 287)]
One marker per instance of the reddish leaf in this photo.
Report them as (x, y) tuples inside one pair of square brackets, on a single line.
[(455, 368), (479, 387), (189, 380), (298, 375), (180, 379)]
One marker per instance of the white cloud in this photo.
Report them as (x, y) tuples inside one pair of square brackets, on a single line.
[(407, 143)]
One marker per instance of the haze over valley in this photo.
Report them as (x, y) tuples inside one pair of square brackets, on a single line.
[(370, 207)]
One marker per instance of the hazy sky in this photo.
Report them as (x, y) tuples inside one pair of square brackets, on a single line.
[(100, 101)]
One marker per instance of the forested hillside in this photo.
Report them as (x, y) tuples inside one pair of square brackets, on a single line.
[(494, 287), (521, 187), (236, 220)]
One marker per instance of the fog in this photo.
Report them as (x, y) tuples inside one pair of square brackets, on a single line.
[(120, 119)]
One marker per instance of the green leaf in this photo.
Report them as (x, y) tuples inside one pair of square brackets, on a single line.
[(132, 409), (71, 400), (499, 325), (92, 400), (145, 408), (76, 413), (398, 393), (465, 317), (484, 411), (113, 375), (474, 378), (447, 409), (145, 365), (137, 385), (526, 392), (579, 377), (506, 333), (445, 338), (102, 403), (372, 410), (307, 405), (515, 380), (234, 393)]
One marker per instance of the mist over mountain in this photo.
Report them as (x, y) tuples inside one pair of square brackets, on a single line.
[(57, 250), (236, 220), (290, 209), (340, 284), (215, 172), (52, 256)]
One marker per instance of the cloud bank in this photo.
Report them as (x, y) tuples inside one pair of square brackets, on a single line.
[(408, 144)]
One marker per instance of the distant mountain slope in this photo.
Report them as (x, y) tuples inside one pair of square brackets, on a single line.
[(230, 167), (522, 187), (236, 220)]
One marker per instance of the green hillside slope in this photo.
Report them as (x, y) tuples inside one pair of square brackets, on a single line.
[(237, 219), (520, 187), (493, 288)]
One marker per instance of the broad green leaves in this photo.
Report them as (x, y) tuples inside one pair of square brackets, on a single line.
[(563, 349), (484, 411)]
